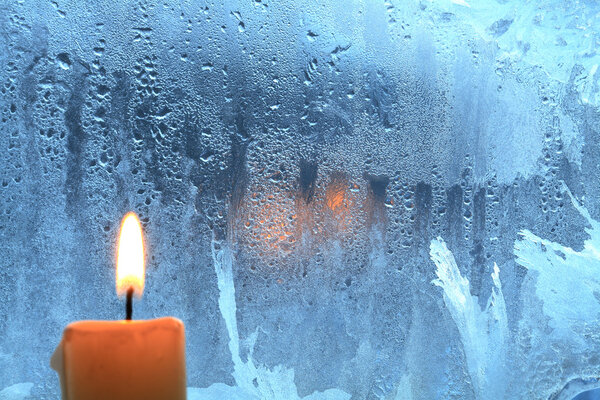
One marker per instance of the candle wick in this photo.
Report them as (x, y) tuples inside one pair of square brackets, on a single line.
[(128, 304)]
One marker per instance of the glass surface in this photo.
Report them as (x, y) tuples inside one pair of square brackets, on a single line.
[(340, 199)]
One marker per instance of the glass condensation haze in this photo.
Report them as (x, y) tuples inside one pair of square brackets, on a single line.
[(340, 199)]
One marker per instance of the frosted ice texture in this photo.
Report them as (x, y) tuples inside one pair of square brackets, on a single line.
[(366, 200), (483, 333), (17, 391)]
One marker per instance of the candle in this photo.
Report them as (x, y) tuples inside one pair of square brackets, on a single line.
[(131, 360)]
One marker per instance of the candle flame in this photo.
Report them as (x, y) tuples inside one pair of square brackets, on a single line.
[(130, 257)]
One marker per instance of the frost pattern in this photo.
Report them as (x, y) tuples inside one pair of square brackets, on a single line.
[(18, 391), (483, 333), (252, 382), (567, 281), (404, 390), (329, 142), (546, 33)]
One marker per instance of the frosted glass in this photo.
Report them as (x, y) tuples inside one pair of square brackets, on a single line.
[(340, 199)]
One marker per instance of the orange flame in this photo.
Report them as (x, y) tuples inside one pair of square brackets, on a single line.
[(130, 257)]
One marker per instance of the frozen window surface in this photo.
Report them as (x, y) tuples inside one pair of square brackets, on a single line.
[(357, 199)]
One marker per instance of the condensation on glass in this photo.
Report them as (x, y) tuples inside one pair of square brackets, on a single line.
[(357, 199)]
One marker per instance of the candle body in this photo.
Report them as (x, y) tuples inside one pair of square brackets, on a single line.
[(101, 360)]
